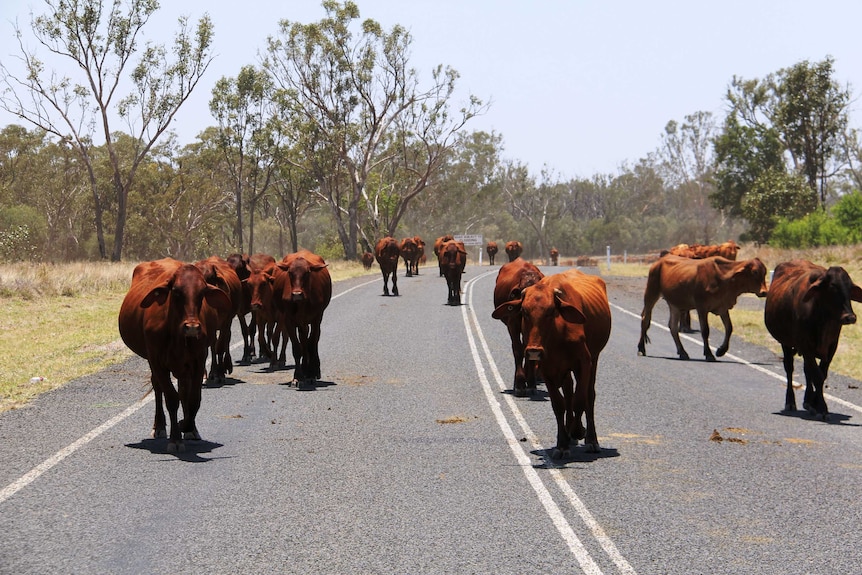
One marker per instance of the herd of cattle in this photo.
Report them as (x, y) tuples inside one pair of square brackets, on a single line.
[(176, 314)]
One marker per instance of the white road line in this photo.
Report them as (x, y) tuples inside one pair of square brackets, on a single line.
[(566, 531), (779, 376), (37, 471), (551, 508), (46, 465)]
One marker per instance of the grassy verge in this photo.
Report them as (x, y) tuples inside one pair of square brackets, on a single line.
[(59, 322)]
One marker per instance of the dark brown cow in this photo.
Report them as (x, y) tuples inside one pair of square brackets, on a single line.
[(492, 250), (513, 250), (566, 322), (367, 260), (259, 284), (219, 273), (169, 317), (512, 279), (555, 257), (240, 264), (302, 292), (410, 253), (708, 285), (420, 253), (453, 259), (387, 253), (438, 244), (806, 307)]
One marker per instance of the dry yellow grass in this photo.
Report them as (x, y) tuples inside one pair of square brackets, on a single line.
[(59, 322)]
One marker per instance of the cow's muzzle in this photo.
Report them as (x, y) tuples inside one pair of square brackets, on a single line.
[(848, 318), (192, 329), (533, 353), (297, 296)]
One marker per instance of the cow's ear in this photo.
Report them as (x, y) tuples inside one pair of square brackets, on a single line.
[(283, 266), (813, 288), (505, 310), (217, 298), (317, 268), (569, 312), (856, 293), (157, 295)]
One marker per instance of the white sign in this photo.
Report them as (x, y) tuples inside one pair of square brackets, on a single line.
[(469, 239)]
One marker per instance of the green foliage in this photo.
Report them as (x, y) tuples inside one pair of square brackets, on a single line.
[(848, 213), (22, 233), (814, 230), (774, 195)]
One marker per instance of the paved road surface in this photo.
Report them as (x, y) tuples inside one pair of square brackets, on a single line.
[(411, 456)]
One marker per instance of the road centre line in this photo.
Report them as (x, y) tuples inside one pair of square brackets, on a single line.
[(780, 377), (46, 465), (581, 554)]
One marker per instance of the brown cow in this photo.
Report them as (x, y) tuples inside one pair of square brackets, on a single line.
[(492, 249), (240, 264), (302, 292), (169, 317), (512, 279), (410, 253), (805, 309), (420, 253), (218, 272), (566, 322), (513, 250), (367, 260), (709, 285), (555, 257), (438, 243), (259, 285), (453, 259), (387, 253)]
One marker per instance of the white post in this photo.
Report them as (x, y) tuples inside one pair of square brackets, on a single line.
[(609, 257)]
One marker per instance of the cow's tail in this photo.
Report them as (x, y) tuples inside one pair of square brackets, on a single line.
[(651, 295)]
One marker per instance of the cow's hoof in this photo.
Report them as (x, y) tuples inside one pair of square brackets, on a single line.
[(721, 351), (159, 434), (592, 447), (519, 392), (710, 358), (194, 435), (557, 453), (684, 356), (175, 446)]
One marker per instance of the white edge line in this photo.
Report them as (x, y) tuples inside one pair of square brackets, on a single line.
[(37, 471), (589, 520), (556, 515)]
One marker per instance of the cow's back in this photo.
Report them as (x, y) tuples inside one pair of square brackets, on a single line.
[(145, 277), (592, 292), (516, 274)]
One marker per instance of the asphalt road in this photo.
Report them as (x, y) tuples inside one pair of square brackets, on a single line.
[(411, 456)]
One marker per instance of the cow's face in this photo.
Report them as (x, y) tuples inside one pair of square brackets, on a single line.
[(834, 290), (259, 284), (299, 278), (752, 276), (184, 294)]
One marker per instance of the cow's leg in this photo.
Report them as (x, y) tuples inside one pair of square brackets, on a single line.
[(813, 401), (646, 320), (162, 381), (190, 398), (728, 329), (313, 348), (703, 319), (159, 423), (585, 401), (247, 342), (673, 325), (790, 395), (300, 353), (519, 385), (385, 283), (395, 281), (558, 403)]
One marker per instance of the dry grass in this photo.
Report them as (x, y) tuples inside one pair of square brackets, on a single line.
[(59, 322)]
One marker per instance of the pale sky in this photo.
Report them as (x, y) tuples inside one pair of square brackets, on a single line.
[(580, 86)]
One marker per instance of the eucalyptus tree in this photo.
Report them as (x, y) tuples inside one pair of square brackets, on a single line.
[(686, 164), (250, 136), (789, 125), (98, 43), (358, 99)]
